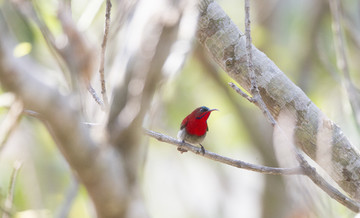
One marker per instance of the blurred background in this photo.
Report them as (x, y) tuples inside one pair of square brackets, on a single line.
[(296, 35)]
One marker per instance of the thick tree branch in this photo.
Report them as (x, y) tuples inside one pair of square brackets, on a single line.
[(227, 46), (99, 169)]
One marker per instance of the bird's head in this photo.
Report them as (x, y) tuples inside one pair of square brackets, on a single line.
[(202, 113)]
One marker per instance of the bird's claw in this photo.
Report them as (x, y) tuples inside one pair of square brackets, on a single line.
[(202, 149), (181, 149)]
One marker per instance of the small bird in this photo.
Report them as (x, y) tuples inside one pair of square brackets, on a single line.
[(194, 127)]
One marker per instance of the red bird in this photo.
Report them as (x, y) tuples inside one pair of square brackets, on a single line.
[(194, 127)]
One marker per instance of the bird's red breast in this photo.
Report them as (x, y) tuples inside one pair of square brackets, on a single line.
[(195, 123)]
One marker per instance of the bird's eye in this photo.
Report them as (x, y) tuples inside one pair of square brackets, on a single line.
[(203, 109)]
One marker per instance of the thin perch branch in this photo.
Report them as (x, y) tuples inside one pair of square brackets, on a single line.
[(225, 160), (304, 169)]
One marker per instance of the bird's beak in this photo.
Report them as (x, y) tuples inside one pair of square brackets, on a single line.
[(213, 110)]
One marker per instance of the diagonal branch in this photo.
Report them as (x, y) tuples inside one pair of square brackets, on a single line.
[(334, 193)]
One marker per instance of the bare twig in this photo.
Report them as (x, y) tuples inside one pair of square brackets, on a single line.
[(11, 122), (103, 49), (95, 96), (225, 160), (10, 195), (241, 92), (257, 99)]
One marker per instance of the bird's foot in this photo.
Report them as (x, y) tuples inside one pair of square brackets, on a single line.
[(181, 149), (202, 149)]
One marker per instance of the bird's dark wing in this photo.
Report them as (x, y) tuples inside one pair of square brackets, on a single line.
[(184, 123)]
